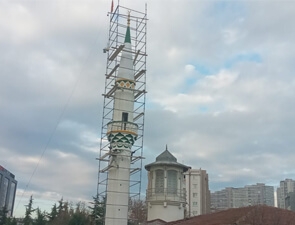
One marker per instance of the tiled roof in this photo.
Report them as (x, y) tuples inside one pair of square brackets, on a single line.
[(166, 159), (166, 156), (252, 215)]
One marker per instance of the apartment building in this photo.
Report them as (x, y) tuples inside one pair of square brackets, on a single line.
[(257, 194), (197, 192), (287, 186)]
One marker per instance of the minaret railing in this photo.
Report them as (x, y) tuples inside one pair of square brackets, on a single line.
[(165, 194), (122, 126)]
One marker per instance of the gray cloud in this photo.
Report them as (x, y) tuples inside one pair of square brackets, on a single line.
[(220, 91)]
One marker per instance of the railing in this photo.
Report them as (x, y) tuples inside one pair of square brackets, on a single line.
[(122, 126), (170, 194)]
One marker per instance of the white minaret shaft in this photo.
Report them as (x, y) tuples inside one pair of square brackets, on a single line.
[(122, 133)]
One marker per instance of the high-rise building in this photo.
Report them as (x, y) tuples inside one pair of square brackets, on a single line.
[(197, 192), (260, 194), (286, 186), (7, 190), (257, 194), (290, 201), (222, 199)]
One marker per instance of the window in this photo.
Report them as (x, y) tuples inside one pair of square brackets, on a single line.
[(159, 186), (124, 118), (195, 195), (195, 203), (172, 182), (4, 192), (195, 213), (195, 186), (11, 195)]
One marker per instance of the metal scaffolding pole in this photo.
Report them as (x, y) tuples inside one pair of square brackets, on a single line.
[(138, 30)]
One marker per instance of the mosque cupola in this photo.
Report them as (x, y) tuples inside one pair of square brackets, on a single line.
[(165, 193)]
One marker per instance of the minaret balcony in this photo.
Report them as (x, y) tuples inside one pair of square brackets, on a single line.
[(122, 127), (165, 194)]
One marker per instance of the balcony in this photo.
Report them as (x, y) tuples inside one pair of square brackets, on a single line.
[(123, 127), (165, 194)]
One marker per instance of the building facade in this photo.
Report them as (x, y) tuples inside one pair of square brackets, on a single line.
[(197, 192), (257, 194), (260, 194), (290, 201), (8, 186), (222, 199), (286, 186)]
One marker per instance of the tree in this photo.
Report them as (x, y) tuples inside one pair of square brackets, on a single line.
[(3, 216), (137, 211), (41, 218), (29, 210), (63, 214), (80, 216), (97, 211), (60, 206), (11, 221), (53, 214)]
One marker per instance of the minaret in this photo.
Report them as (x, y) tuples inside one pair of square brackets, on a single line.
[(165, 192), (122, 134)]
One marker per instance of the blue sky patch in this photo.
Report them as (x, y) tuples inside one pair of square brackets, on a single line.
[(202, 69), (245, 57), (203, 109), (227, 11)]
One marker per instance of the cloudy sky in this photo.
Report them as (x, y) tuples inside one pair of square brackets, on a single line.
[(220, 82)]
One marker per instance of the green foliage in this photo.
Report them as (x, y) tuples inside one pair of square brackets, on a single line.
[(11, 221), (41, 218), (53, 214), (97, 211), (80, 216), (60, 206), (29, 210), (3, 216), (65, 213)]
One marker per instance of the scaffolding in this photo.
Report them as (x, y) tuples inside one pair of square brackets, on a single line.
[(117, 30)]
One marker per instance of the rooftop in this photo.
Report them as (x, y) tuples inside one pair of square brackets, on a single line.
[(252, 215), (166, 159)]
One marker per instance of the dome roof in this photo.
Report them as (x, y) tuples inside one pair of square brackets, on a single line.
[(166, 159), (166, 156)]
